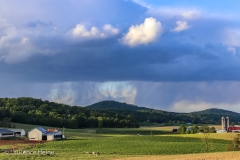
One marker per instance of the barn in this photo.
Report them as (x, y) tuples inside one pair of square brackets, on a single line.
[(235, 128), (39, 134), (6, 133)]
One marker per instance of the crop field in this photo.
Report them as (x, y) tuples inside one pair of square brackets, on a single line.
[(125, 146), (123, 143), (201, 156), (224, 136)]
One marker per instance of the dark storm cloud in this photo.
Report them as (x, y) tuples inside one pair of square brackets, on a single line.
[(107, 60), (73, 52), (55, 56), (165, 94)]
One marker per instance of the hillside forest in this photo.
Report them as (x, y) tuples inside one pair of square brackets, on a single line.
[(106, 114)]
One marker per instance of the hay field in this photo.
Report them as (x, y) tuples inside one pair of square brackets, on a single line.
[(201, 156), (224, 136)]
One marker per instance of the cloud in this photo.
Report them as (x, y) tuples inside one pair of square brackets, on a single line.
[(52, 54), (38, 23), (110, 30), (43, 30), (169, 96), (232, 37), (181, 25), (188, 96), (62, 93), (188, 106), (174, 12), (17, 44), (86, 93), (191, 15), (144, 33), (81, 31)]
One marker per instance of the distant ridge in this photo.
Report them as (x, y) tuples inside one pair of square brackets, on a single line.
[(110, 104), (116, 114), (217, 111)]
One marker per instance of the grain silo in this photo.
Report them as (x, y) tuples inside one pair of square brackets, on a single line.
[(223, 123)]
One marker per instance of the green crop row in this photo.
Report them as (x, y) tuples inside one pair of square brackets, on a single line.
[(130, 145)]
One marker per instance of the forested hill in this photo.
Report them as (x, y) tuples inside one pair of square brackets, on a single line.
[(218, 112), (115, 105), (103, 114), (35, 111)]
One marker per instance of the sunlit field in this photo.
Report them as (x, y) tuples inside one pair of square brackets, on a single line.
[(128, 143), (118, 147), (225, 136), (202, 156)]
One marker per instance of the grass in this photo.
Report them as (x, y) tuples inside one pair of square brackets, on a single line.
[(126, 146), (125, 143), (201, 156), (224, 136)]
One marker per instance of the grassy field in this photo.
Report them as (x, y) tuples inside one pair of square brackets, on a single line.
[(224, 136), (126, 144), (201, 156)]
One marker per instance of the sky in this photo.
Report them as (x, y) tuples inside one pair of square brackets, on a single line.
[(173, 55)]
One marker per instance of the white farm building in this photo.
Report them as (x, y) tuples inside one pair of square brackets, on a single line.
[(6, 133), (10, 132), (39, 134), (18, 132)]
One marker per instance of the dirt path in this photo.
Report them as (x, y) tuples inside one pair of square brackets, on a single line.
[(12, 142)]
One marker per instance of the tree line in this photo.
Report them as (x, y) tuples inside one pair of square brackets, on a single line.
[(114, 115), (35, 111)]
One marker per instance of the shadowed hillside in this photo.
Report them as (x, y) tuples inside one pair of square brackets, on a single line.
[(108, 114)]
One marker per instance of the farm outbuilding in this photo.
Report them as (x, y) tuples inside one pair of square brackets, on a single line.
[(18, 132), (6, 133), (39, 134), (175, 130), (233, 128)]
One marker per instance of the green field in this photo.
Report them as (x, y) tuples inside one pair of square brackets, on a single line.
[(124, 142), (125, 146), (105, 131)]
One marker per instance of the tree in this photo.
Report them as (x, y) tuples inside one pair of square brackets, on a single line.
[(194, 129), (182, 129), (100, 122), (206, 133), (235, 146)]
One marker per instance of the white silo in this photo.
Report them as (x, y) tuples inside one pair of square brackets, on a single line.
[(227, 122), (223, 123)]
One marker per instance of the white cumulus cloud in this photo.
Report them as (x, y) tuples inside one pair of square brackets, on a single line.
[(94, 32), (144, 33), (181, 25)]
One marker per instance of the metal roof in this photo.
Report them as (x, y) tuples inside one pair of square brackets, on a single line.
[(5, 131), (53, 133), (42, 129), (16, 130)]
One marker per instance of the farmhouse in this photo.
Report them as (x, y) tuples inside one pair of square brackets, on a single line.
[(6, 133), (39, 134)]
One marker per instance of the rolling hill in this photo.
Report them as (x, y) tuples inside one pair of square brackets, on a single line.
[(218, 111), (111, 113), (115, 105)]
